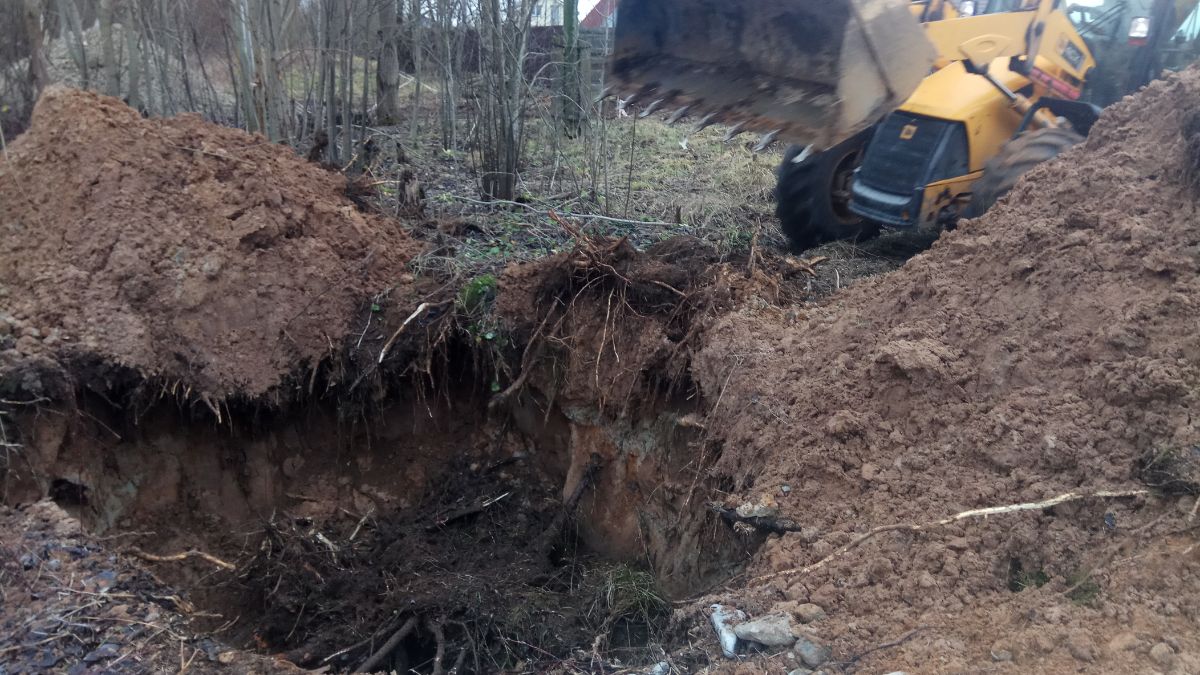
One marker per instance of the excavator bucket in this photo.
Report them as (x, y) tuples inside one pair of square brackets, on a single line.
[(810, 71)]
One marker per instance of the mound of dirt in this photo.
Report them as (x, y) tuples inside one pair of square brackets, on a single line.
[(191, 253), (1048, 347)]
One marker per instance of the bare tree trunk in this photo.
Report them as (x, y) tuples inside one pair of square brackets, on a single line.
[(449, 72), (387, 72), (39, 68), (133, 56), (414, 20), (108, 51), (348, 84), (503, 42), (571, 100), (331, 107), (70, 16), (368, 49), (181, 54), (239, 13)]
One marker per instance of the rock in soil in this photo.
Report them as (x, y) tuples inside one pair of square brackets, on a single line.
[(811, 651), (1162, 655), (773, 630)]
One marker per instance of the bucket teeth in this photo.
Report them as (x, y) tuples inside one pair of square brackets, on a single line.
[(678, 114), (734, 131), (803, 154), (704, 122), (652, 107), (766, 140)]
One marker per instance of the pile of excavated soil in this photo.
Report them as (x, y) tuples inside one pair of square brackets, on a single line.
[(188, 252), (1051, 346)]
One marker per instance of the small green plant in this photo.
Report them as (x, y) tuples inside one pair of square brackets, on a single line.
[(477, 295), (1020, 579), (1083, 589)]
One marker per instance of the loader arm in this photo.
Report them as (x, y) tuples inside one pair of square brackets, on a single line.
[(820, 71), (1044, 44)]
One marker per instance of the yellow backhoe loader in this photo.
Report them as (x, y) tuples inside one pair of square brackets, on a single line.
[(905, 114)]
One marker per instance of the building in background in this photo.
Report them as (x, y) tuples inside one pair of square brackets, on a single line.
[(547, 13), (592, 13), (603, 14)]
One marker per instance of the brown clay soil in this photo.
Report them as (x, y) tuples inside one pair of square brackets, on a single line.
[(198, 256), (1049, 347), (545, 479)]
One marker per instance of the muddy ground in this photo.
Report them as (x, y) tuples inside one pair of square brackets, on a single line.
[(571, 464)]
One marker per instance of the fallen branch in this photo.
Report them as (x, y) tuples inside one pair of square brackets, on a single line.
[(463, 513), (388, 647), (178, 557), (357, 645), (583, 216), (887, 645), (388, 345), (973, 513)]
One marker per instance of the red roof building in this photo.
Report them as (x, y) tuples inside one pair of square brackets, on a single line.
[(603, 15)]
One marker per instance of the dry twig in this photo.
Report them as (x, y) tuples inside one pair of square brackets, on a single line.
[(973, 513), (388, 345), (178, 557)]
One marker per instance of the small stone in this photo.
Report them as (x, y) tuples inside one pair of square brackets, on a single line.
[(1043, 643), (880, 570), (809, 612), (785, 489), (811, 652), (764, 508), (926, 580), (1162, 655), (772, 630), (800, 671), (104, 651), (28, 561), (1001, 655), (1124, 642), (1082, 649)]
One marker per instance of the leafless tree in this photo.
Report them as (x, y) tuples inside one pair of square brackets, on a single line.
[(39, 67), (503, 37)]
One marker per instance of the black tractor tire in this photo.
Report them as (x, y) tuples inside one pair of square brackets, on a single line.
[(812, 197), (1014, 160)]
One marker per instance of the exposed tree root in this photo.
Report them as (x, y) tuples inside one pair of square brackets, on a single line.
[(135, 551), (388, 647)]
